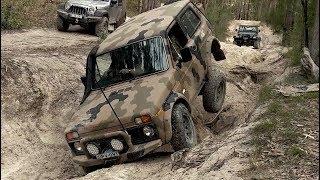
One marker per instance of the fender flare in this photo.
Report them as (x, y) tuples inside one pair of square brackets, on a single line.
[(172, 99)]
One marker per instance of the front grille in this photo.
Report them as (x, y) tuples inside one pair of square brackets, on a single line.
[(104, 144), (138, 137), (77, 10)]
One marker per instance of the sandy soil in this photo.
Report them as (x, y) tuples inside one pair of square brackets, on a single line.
[(40, 85)]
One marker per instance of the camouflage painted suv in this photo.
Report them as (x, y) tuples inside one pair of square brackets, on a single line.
[(151, 69)]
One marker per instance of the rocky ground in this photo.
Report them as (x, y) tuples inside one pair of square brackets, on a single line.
[(40, 86)]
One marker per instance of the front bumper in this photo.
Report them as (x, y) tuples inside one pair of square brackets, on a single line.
[(134, 151), (73, 20)]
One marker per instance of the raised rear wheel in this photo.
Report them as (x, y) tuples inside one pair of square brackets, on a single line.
[(214, 91)]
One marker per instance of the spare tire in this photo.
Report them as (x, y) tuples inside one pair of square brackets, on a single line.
[(214, 91)]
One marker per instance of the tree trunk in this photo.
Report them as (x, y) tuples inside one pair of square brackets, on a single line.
[(314, 47), (305, 20)]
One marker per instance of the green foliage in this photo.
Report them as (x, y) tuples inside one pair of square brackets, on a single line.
[(265, 94), (286, 17), (19, 14), (296, 151), (219, 14), (11, 16)]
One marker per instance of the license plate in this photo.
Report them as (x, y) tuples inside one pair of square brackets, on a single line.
[(108, 154), (76, 16)]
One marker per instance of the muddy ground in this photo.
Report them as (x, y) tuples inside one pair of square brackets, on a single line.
[(40, 84)]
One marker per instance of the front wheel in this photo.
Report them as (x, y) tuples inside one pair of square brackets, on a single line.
[(183, 130), (214, 92), (62, 25)]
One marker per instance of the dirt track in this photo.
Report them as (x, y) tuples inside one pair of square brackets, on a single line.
[(40, 85)]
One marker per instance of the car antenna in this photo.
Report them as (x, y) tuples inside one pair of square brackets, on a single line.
[(100, 88)]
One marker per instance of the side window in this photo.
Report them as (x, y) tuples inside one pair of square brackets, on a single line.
[(190, 21), (177, 39)]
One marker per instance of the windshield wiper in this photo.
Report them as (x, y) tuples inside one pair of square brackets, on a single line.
[(114, 112)]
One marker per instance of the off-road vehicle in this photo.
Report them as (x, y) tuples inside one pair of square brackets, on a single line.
[(141, 83), (247, 35), (100, 17)]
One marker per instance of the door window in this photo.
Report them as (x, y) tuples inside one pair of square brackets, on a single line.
[(178, 40), (190, 22)]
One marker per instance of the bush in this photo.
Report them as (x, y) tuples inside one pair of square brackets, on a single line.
[(17, 14)]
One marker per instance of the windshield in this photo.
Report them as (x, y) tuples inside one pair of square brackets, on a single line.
[(248, 28), (126, 63)]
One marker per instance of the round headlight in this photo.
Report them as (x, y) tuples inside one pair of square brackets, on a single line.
[(67, 5), (116, 144), (91, 10), (93, 149), (77, 146), (148, 131)]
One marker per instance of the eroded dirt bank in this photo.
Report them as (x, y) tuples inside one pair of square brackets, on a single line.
[(40, 86)]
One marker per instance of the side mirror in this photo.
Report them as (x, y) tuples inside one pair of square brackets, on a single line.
[(259, 30), (236, 30), (186, 55), (216, 51), (84, 80)]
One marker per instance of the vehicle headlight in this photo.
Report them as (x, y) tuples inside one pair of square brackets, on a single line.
[(77, 146), (91, 10), (93, 149), (116, 144), (148, 131), (67, 5)]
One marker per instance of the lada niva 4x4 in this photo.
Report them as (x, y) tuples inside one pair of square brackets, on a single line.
[(141, 83)]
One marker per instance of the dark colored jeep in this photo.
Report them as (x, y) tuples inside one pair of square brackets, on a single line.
[(100, 17), (247, 36)]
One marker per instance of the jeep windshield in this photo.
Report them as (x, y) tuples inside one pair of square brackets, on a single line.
[(131, 61), (248, 29)]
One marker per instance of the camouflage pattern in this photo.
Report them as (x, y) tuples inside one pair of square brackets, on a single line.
[(154, 95)]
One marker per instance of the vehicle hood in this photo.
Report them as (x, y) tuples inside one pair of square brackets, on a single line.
[(89, 3), (129, 100)]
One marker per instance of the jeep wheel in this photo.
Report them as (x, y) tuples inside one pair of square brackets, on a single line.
[(256, 44), (214, 92), (101, 28), (183, 130), (62, 25)]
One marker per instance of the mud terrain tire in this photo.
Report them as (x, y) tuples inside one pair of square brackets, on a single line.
[(101, 28), (183, 130), (62, 25), (256, 44), (214, 92)]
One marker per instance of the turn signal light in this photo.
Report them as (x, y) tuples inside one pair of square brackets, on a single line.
[(143, 119)]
